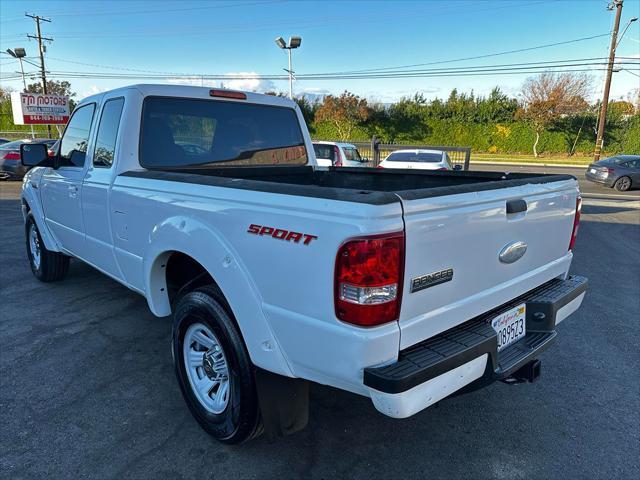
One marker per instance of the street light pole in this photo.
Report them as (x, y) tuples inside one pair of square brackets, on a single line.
[(24, 82), (290, 74), (19, 53), (607, 83), (294, 42)]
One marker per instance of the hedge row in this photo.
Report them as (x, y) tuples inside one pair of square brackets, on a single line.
[(512, 137)]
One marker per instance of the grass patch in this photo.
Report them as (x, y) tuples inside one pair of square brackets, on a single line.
[(542, 160)]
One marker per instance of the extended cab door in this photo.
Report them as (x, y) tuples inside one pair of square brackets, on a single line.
[(61, 189), (96, 188)]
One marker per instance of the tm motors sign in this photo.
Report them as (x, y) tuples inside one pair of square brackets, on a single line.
[(39, 109)]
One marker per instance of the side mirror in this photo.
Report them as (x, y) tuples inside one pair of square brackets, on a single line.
[(35, 155), (457, 167)]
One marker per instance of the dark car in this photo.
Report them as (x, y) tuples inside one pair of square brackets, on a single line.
[(621, 172), (3, 141), (10, 166)]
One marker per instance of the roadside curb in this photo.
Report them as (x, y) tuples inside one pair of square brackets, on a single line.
[(528, 164)]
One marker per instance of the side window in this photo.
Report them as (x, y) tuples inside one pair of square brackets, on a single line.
[(73, 147), (108, 132)]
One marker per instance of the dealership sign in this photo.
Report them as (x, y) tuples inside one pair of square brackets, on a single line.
[(39, 109)]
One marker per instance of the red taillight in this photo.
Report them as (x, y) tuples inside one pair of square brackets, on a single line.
[(227, 94), (12, 156), (576, 222), (338, 161), (610, 170), (380, 166), (368, 279)]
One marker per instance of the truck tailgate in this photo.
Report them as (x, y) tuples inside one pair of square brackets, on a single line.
[(453, 243)]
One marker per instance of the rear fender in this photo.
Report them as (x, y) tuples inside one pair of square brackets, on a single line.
[(204, 244)]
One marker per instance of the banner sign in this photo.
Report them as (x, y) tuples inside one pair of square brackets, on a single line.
[(39, 109)]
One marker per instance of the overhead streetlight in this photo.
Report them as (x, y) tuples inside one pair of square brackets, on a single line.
[(294, 42), (20, 53), (631, 20)]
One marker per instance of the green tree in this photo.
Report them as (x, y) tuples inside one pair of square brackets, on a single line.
[(345, 113), (551, 96)]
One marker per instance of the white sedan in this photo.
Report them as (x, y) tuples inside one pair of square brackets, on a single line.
[(421, 159)]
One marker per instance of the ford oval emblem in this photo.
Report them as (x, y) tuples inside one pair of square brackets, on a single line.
[(512, 251)]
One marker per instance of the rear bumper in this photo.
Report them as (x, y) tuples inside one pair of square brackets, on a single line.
[(434, 369), (607, 181)]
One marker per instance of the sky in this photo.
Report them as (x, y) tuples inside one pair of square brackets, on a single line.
[(222, 37)]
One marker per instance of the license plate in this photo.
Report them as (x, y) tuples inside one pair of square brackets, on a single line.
[(593, 170), (510, 326)]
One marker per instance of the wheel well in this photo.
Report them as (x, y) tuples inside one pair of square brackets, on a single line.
[(183, 275)]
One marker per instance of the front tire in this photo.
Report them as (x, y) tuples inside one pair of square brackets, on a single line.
[(47, 266), (213, 367), (622, 184)]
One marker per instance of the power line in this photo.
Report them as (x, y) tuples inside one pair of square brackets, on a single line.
[(40, 38), (172, 10), (513, 68), (111, 67), (214, 5), (403, 73), (577, 67), (520, 50)]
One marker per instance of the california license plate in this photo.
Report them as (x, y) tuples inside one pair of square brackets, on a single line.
[(510, 326), (593, 170)]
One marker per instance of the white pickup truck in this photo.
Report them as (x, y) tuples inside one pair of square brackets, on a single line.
[(404, 286)]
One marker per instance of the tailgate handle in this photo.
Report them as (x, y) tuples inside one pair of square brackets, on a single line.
[(515, 206)]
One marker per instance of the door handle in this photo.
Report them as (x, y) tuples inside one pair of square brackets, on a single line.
[(34, 184), (516, 206), (73, 191)]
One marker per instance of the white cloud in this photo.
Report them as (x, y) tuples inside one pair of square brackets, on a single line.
[(194, 81), (251, 82), (394, 96), (93, 90)]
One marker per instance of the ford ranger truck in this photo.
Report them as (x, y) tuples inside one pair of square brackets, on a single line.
[(403, 286)]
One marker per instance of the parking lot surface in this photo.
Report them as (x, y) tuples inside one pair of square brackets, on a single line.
[(88, 390)]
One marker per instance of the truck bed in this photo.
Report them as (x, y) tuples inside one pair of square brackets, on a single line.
[(363, 185)]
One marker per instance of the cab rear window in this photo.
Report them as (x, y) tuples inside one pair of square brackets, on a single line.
[(325, 152), (421, 157), (180, 133)]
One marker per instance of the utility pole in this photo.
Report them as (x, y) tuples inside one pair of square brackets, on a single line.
[(40, 38), (617, 4)]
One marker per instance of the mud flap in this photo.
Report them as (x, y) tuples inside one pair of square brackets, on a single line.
[(284, 403)]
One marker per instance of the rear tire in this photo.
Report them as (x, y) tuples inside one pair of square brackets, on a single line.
[(47, 266), (622, 184), (219, 385)]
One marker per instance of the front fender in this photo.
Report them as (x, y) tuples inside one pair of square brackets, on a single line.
[(31, 202), (207, 246)]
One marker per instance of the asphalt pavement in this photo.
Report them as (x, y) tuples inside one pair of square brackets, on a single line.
[(87, 388), (586, 188)]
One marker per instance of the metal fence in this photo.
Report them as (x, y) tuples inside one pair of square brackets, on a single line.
[(24, 134), (376, 151)]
